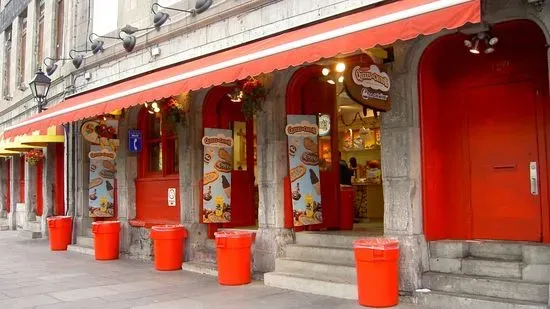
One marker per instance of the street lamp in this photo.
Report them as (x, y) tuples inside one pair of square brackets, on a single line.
[(40, 85)]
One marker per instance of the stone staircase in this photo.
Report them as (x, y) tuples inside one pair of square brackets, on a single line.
[(319, 263), (33, 230), (84, 244), (486, 275)]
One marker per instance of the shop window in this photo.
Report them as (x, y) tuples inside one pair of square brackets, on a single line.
[(59, 33), (160, 149), (22, 48), (105, 16), (40, 41), (7, 62)]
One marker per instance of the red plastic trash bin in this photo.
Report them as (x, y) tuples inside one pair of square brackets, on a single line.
[(233, 256), (60, 228), (377, 262), (106, 239), (168, 246), (347, 199)]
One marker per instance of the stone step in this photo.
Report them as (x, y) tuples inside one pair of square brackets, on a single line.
[(4, 224), (81, 249), (319, 270), (536, 254), (479, 267), (496, 250), (308, 284), (321, 254), (486, 286), (35, 226), (203, 268), (27, 234), (323, 239), (439, 300), (87, 242)]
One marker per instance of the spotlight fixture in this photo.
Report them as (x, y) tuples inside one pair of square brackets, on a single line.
[(76, 60), (340, 67), (325, 71), (335, 74), (161, 17), (152, 108), (128, 42), (485, 38), (236, 96)]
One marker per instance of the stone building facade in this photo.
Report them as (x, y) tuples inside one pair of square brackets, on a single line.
[(224, 25)]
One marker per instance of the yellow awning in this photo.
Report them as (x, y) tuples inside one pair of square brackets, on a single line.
[(39, 139), (8, 153)]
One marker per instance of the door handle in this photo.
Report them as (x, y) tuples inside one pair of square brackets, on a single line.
[(534, 178)]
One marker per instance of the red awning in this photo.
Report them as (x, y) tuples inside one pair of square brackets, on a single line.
[(401, 20)]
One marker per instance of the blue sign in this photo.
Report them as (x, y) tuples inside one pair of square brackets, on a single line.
[(134, 140)]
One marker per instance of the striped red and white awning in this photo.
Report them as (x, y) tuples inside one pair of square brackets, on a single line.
[(382, 25)]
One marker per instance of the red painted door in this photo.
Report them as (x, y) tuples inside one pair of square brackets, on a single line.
[(22, 180), (39, 191), (59, 187), (8, 191), (502, 127)]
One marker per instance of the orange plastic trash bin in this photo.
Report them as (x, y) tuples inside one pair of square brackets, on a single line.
[(168, 246), (377, 262), (60, 228), (106, 239), (233, 256)]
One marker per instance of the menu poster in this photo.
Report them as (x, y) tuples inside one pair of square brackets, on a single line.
[(101, 198), (303, 159), (217, 167)]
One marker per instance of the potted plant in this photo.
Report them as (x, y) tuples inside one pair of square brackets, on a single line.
[(253, 95)]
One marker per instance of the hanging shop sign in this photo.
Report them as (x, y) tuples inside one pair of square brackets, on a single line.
[(101, 198), (217, 167), (303, 159), (101, 132), (103, 135), (368, 83)]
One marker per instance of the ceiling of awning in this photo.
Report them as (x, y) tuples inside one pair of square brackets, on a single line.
[(382, 25)]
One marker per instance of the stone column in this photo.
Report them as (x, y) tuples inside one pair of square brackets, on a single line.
[(14, 191), (3, 189), (198, 246), (126, 163), (400, 136), (48, 183), (81, 168), (272, 161)]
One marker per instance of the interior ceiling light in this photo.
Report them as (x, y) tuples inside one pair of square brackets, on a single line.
[(480, 38), (330, 81), (341, 79), (236, 96), (325, 71), (161, 17), (340, 67), (75, 59)]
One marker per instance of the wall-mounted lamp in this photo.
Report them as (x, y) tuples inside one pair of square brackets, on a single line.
[(537, 4), (161, 17), (481, 40), (76, 60), (128, 42), (236, 96)]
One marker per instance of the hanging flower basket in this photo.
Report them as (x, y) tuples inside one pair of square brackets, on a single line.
[(253, 96), (34, 157), (176, 107)]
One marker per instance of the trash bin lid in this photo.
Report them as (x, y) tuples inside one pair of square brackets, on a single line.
[(58, 218), (105, 222), (233, 234), (377, 243), (167, 227)]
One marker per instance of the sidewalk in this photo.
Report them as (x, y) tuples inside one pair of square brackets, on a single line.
[(31, 276)]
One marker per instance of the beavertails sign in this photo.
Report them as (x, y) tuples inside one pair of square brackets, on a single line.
[(368, 83)]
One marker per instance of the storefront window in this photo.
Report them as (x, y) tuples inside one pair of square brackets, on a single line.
[(160, 153), (239, 147)]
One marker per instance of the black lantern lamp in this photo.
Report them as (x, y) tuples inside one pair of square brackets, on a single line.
[(76, 60), (161, 17), (128, 42), (40, 85)]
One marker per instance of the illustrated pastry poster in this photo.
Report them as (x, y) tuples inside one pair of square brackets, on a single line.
[(102, 182), (303, 159), (217, 167)]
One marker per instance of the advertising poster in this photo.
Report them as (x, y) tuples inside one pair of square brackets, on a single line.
[(102, 182), (217, 167), (103, 136), (303, 159)]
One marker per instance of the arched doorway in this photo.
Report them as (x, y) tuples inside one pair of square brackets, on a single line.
[(483, 129), (220, 112)]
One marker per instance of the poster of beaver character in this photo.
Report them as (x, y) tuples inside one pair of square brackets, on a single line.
[(217, 167), (303, 159), (101, 198)]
